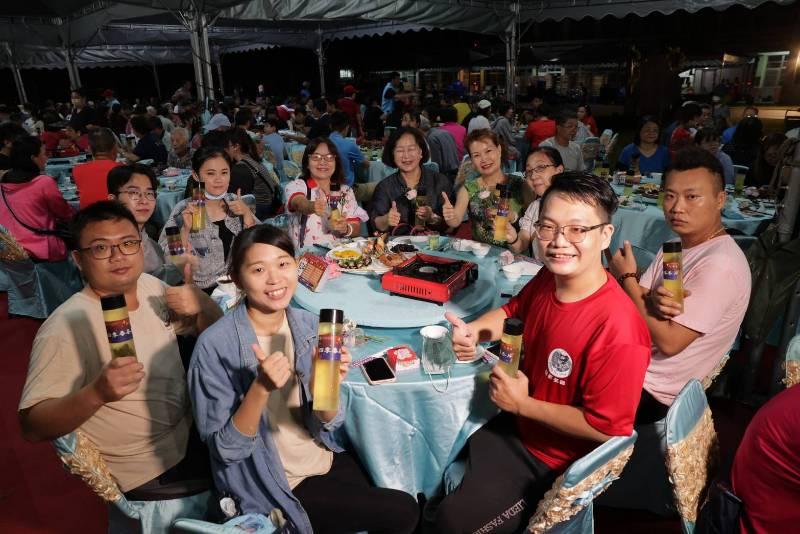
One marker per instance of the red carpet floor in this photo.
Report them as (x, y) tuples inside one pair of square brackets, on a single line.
[(37, 496)]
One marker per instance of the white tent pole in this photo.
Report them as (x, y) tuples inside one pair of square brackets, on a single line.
[(206, 56), (198, 70), (219, 75), (158, 83), (72, 69), (321, 60), (17, 76), (511, 56)]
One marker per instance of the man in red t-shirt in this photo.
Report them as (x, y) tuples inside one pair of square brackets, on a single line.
[(586, 349), (91, 177), (349, 105), (540, 128)]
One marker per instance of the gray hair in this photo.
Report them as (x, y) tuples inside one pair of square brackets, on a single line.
[(182, 131)]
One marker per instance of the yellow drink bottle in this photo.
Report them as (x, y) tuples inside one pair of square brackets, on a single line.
[(326, 364), (511, 346), (501, 217), (333, 202), (673, 270), (421, 200), (118, 326), (199, 215)]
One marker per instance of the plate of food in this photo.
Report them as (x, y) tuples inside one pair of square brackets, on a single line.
[(171, 171)]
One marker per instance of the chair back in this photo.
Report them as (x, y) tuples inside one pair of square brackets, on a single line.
[(82, 458), (296, 151), (567, 506), (691, 451), (591, 148), (35, 289), (792, 363)]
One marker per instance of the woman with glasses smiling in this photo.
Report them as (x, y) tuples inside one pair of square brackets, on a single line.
[(542, 164), (134, 186), (310, 198), (398, 198)]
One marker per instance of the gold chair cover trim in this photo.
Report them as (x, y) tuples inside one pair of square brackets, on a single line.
[(792, 373), (691, 463), (87, 464), (558, 504), (708, 380)]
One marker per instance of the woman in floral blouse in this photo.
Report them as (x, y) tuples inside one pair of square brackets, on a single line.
[(486, 152), (312, 198)]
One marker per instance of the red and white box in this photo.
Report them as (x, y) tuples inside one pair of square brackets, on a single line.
[(402, 358)]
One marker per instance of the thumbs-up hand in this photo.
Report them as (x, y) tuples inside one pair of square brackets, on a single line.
[(239, 207), (185, 300), (464, 338), (273, 370), (448, 211), (394, 215), (320, 205)]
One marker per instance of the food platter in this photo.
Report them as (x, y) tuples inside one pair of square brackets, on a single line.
[(363, 257)]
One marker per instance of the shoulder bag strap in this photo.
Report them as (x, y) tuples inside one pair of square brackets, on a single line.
[(40, 231)]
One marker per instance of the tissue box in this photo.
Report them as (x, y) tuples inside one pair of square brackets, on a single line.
[(402, 358)]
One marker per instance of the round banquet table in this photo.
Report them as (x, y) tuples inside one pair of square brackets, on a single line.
[(408, 432), (168, 198), (648, 228)]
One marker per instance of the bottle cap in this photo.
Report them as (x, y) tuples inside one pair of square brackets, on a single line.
[(113, 302), (329, 315), (671, 247), (172, 230), (513, 326)]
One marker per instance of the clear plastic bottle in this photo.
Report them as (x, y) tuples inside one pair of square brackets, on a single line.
[(199, 215), (326, 364), (673, 270), (501, 217), (118, 326), (511, 346)]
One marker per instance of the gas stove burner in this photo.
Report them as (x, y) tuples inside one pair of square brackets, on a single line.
[(430, 278)]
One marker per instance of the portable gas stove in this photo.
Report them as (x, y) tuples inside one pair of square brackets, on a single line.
[(430, 278)]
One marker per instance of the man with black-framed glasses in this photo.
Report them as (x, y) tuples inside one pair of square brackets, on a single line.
[(135, 409), (586, 350), (135, 187)]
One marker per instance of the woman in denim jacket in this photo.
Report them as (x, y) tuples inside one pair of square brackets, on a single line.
[(250, 382)]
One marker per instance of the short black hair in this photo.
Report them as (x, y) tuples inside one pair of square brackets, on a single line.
[(394, 75), (688, 112), (552, 154), (321, 105), (140, 124), (637, 134), (104, 210), (706, 134), (265, 234), (80, 91), (121, 175), (694, 157), (102, 141), (448, 114), (503, 107), (243, 116), (564, 115), (419, 139), (273, 121), (311, 147), (10, 131), (340, 121), (22, 150), (216, 138), (154, 123), (583, 187)]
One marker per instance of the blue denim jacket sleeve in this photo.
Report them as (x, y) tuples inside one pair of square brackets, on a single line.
[(215, 397)]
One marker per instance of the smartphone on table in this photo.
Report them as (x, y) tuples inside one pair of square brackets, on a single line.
[(378, 371)]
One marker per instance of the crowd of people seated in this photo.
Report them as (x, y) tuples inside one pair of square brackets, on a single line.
[(607, 347)]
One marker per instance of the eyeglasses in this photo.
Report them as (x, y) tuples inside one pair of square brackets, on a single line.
[(102, 251), (136, 195), (574, 233), (406, 150), (322, 157), (539, 169)]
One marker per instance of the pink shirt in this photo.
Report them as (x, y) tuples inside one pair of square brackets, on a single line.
[(459, 133), (717, 274), (38, 204)]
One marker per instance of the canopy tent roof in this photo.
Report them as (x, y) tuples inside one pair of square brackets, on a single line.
[(113, 33)]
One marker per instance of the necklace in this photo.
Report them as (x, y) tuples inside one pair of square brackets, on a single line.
[(715, 234)]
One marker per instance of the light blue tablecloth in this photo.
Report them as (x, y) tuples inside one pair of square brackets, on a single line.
[(166, 200), (649, 230), (406, 433)]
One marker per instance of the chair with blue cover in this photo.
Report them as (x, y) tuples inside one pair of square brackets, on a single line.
[(568, 507), (82, 458), (674, 461), (35, 289)]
